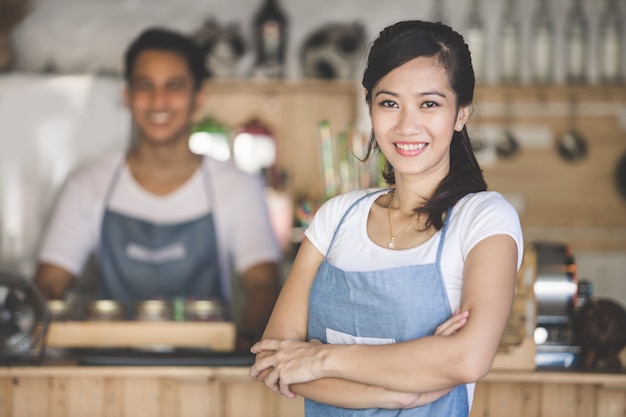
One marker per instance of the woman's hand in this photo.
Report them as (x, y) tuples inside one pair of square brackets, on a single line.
[(453, 324), (280, 363)]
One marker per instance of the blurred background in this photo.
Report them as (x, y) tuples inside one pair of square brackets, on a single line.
[(60, 104)]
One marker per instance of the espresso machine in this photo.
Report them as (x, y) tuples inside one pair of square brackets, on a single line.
[(556, 293)]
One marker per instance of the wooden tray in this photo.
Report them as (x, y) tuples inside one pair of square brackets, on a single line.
[(218, 336)]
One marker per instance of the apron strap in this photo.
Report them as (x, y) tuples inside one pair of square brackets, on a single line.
[(346, 214)]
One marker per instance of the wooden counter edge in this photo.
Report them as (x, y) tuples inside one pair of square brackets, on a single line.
[(240, 373)]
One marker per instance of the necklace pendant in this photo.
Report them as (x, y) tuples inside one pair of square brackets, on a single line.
[(392, 244)]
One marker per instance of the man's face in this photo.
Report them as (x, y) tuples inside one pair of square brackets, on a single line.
[(161, 97)]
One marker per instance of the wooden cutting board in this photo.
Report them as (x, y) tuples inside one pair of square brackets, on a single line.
[(219, 336)]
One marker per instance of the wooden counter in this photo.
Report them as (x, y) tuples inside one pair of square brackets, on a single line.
[(66, 390)]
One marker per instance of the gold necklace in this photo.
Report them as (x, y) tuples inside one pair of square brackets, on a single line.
[(392, 242)]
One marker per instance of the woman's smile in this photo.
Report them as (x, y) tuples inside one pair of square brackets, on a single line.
[(410, 148)]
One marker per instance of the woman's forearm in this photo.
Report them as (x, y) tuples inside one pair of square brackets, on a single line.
[(348, 394)]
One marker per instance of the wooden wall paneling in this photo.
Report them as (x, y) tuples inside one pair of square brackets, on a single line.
[(292, 111), (31, 397), (611, 402), (170, 391), (78, 396), (286, 407), (302, 148), (198, 397), (248, 399), (511, 400), (141, 397), (565, 406), (6, 395), (575, 202), (586, 402), (59, 394), (113, 397)]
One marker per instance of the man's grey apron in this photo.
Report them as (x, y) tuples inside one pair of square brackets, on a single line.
[(382, 306), (141, 260)]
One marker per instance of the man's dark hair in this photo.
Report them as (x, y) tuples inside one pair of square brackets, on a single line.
[(166, 40)]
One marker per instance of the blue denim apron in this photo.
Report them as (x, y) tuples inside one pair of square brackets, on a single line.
[(141, 260), (376, 307)]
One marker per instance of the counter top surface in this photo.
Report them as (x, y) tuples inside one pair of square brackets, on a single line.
[(71, 369)]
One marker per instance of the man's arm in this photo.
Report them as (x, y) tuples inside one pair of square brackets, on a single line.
[(53, 281), (260, 285)]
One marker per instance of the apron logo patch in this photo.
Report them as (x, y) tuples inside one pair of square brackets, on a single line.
[(174, 252), (335, 337)]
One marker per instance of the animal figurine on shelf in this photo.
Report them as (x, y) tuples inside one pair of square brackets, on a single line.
[(223, 46), (334, 51), (600, 329)]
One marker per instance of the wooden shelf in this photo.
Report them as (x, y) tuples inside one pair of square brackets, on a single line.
[(219, 336)]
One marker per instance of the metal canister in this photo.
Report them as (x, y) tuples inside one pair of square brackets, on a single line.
[(105, 310), (204, 310), (58, 309), (153, 310)]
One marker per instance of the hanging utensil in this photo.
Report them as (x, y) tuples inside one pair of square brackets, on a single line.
[(620, 176), (507, 144), (572, 146)]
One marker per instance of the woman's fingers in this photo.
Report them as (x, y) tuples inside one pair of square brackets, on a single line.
[(453, 324)]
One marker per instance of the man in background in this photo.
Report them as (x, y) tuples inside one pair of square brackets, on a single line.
[(162, 221)]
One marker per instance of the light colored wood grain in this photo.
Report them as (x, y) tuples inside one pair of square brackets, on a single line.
[(31, 397), (219, 336)]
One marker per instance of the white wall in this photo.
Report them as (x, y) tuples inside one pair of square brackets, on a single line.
[(88, 35)]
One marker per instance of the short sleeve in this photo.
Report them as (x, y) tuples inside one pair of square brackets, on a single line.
[(488, 214)]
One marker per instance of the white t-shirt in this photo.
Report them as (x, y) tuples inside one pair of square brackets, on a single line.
[(474, 218), (244, 232)]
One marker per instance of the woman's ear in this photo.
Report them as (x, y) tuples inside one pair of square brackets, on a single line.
[(461, 118)]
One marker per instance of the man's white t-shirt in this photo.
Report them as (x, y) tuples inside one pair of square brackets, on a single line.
[(244, 232)]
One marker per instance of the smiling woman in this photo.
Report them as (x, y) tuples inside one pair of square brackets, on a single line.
[(398, 297)]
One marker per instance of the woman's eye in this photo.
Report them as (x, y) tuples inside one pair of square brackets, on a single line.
[(388, 103), (429, 104)]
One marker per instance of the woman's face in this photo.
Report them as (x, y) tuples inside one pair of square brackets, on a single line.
[(414, 115)]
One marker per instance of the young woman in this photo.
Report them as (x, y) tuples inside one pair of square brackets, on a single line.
[(354, 330)]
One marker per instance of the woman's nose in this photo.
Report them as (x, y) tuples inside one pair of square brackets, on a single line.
[(409, 122)]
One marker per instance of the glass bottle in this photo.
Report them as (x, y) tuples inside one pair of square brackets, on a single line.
[(476, 39), (610, 48), (542, 52), (270, 26), (577, 27), (510, 43), (439, 13)]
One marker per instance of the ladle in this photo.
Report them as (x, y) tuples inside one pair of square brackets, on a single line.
[(572, 146), (507, 144)]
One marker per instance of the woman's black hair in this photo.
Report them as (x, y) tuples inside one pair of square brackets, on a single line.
[(166, 40), (400, 43)]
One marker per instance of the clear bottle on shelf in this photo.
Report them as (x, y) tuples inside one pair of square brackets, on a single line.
[(476, 39), (610, 43), (577, 35), (510, 44), (542, 46)]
